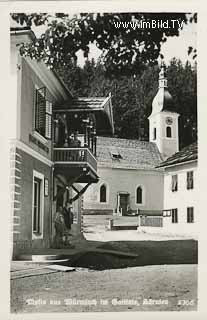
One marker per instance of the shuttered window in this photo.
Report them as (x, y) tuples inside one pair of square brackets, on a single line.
[(48, 120), (190, 215), (43, 114), (174, 185), (190, 180), (174, 215)]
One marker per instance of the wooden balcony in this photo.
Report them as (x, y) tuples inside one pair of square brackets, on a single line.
[(76, 162)]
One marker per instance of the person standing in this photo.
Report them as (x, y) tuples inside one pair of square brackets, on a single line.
[(76, 143), (68, 220), (59, 227)]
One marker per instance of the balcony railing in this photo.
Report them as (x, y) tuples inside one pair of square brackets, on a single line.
[(75, 156)]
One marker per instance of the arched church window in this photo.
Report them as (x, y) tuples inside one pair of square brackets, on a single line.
[(168, 132), (139, 195), (103, 193)]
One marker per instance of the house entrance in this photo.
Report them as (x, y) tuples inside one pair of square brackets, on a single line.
[(124, 201), (60, 198)]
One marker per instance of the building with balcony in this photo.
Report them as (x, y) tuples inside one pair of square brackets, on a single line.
[(53, 150)]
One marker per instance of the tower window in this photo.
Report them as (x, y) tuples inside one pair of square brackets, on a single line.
[(168, 132), (103, 193), (154, 134), (139, 195)]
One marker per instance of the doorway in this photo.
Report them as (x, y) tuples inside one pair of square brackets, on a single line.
[(60, 198), (124, 201)]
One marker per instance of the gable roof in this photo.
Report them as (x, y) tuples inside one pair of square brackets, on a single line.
[(188, 153), (134, 154)]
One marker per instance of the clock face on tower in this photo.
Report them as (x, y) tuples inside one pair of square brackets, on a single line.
[(169, 120)]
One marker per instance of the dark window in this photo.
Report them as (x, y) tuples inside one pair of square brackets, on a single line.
[(43, 114), (103, 193), (115, 155), (154, 134), (190, 215), (174, 182), (168, 132), (139, 195), (174, 215), (37, 205), (190, 180)]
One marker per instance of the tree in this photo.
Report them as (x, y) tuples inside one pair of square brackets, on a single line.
[(126, 44), (132, 96)]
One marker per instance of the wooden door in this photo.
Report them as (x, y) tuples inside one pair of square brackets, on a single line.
[(124, 203)]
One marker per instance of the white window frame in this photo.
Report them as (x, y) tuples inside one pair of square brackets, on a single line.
[(41, 177), (143, 195)]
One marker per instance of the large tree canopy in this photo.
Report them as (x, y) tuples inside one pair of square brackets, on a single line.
[(125, 43)]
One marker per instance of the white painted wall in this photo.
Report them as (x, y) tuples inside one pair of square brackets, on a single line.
[(181, 199), (167, 146), (126, 180)]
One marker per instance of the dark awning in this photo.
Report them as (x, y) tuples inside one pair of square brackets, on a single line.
[(101, 107)]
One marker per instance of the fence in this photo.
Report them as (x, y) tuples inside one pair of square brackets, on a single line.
[(146, 221)]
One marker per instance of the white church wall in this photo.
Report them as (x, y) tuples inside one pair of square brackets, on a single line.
[(126, 180)]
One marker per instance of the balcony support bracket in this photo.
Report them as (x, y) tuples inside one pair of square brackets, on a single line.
[(70, 184)]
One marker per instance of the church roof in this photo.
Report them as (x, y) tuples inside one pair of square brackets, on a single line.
[(163, 100), (188, 153), (125, 153)]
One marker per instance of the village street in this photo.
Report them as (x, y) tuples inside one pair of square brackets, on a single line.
[(165, 270), (174, 287)]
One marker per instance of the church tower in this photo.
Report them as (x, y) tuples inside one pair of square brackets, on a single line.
[(163, 121)]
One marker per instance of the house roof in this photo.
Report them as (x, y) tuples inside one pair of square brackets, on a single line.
[(188, 153), (101, 107), (133, 154)]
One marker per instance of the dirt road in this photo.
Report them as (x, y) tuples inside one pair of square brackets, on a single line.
[(147, 288)]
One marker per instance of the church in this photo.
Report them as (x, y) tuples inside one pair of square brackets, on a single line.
[(152, 179)]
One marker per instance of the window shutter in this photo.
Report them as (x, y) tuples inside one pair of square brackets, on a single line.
[(40, 109), (174, 183), (48, 120), (190, 180)]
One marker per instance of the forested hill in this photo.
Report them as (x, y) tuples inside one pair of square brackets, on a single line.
[(132, 95)]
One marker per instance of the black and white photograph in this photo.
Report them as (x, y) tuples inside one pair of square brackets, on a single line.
[(103, 161)]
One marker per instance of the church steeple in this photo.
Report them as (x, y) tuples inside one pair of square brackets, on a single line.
[(163, 129), (162, 76), (163, 100)]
